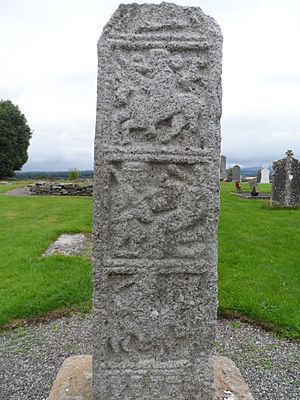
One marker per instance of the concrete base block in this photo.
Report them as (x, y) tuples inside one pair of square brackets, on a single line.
[(74, 380)]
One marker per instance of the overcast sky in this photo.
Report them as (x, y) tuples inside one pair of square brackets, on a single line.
[(49, 68)]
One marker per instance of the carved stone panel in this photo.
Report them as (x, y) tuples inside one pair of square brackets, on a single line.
[(156, 203), (157, 210), (155, 315)]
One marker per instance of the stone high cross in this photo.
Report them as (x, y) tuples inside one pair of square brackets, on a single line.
[(156, 203)]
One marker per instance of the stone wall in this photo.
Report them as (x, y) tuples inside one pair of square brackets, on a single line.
[(60, 189)]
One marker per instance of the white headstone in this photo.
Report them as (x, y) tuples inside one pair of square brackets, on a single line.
[(265, 174)]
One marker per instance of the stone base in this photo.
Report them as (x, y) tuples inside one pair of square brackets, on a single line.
[(74, 380), (228, 380)]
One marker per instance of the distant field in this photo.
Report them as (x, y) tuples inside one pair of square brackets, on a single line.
[(259, 272)]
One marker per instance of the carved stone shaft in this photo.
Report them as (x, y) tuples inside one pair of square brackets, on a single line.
[(156, 204)]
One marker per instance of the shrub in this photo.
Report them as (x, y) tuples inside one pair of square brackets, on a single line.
[(73, 174)]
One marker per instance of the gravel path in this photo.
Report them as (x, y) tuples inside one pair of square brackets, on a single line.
[(31, 356)]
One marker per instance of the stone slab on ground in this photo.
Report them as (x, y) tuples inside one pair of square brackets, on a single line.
[(67, 245), (22, 191), (74, 380), (248, 196)]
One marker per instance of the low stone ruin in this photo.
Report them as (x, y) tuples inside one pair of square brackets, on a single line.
[(60, 189)]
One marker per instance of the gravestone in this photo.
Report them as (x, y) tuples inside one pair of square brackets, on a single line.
[(286, 181), (252, 184), (156, 203), (236, 173), (223, 173), (258, 175), (265, 174)]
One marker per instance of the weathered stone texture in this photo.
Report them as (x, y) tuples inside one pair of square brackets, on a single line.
[(236, 173), (229, 382), (74, 380), (286, 181), (156, 203)]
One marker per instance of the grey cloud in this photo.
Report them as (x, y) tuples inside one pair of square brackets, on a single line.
[(10, 91), (84, 161), (50, 68), (254, 140), (55, 148), (286, 79)]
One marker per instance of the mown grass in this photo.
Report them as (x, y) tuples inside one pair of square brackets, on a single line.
[(259, 273), (31, 285)]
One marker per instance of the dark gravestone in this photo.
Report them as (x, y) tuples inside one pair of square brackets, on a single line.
[(223, 172), (286, 181), (258, 176), (156, 204), (236, 173)]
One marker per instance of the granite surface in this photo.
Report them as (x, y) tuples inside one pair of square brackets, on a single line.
[(156, 203)]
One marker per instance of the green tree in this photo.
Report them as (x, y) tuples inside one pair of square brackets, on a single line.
[(15, 135), (73, 174), (229, 174)]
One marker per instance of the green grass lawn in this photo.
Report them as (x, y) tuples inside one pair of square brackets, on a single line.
[(31, 285), (259, 261), (259, 272)]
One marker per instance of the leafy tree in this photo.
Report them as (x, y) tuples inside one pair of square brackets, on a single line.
[(73, 174), (229, 174), (14, 139)]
